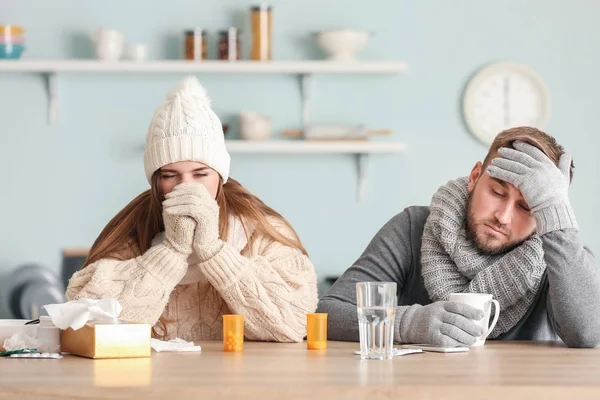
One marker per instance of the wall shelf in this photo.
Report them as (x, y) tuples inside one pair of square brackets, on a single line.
[(208, 66), (304, 69), (323, 147), (50, 69), (360, 149)]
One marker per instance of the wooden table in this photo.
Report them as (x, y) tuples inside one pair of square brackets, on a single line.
[(538, 371)]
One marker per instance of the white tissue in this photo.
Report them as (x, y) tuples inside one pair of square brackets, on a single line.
[(19, 341), (173, 345), (74, 314)]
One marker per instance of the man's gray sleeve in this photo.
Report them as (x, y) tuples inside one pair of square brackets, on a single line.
[(386, 258), (574, 295)]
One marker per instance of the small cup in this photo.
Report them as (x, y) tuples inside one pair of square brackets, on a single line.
[(483, 302), (48, 336), (137, 52), (233, 332), (316, 328)]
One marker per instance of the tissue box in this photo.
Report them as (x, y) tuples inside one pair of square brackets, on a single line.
[(125, 372), (106, 340)]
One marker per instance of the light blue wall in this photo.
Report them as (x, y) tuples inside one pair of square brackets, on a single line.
[(61, 184)]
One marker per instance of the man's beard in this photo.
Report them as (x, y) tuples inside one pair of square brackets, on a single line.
[(482, 242)]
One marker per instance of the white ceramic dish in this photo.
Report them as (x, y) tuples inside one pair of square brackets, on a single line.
[(254, 126), (344, 44)]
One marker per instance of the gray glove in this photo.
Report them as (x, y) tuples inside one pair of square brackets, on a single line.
[(444, 323), (544, 186)]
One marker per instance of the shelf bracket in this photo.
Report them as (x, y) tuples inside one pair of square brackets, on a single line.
[(305, 81), (52, 89), (361, 165)]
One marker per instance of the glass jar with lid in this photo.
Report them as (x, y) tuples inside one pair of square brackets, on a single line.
[(229, 45), (261, 21), (196, 47)]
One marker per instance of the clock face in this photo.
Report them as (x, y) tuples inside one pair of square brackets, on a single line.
[(503, 96)]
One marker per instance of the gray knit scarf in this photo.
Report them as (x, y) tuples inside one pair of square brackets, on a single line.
[(452, 264)]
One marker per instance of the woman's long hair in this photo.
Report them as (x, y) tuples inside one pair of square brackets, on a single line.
[(130, 232)]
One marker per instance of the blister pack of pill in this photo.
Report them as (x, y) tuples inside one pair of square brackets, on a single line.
[(36, 355)]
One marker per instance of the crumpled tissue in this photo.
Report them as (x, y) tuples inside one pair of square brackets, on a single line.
[(20, 340), (76, 313), (173, 345), (43, 336)]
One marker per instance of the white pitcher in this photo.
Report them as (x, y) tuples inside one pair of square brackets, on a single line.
[(109, 44)]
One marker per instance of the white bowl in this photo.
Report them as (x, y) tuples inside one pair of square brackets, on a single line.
[(342, 45), (254, 126)]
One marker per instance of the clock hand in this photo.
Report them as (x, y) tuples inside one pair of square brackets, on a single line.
[(506, 93)]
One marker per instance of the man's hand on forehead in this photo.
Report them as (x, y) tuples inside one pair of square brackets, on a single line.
[(541, 182)]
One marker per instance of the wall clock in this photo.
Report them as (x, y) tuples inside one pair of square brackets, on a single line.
[(504, 95)]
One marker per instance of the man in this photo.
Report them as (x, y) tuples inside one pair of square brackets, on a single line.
[(508, 230)]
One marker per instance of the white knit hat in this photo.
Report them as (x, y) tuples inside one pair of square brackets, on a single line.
[(184, 128)]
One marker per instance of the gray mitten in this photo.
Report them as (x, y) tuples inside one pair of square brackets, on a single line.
[(544, 186), (443, 323)]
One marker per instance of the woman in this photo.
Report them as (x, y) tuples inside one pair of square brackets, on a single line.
[(198, 245)]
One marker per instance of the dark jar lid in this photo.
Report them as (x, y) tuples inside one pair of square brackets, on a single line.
[(258, 8), (192, 32), (226, 32)]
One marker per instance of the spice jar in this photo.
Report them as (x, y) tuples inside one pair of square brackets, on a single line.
[(195, 44), (261, 21), (230, 45)]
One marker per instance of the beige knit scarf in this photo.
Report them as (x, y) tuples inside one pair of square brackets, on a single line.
[(451, 263)]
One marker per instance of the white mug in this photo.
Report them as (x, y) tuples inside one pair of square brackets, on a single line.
[(109, 44), (483, 302)]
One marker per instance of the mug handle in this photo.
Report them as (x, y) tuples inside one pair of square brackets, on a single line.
[(496, 316)]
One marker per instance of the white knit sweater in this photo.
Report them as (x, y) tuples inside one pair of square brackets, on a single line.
[(272, 285)]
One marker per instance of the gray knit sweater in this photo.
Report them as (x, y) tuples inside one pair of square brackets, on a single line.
[(567, 305)]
